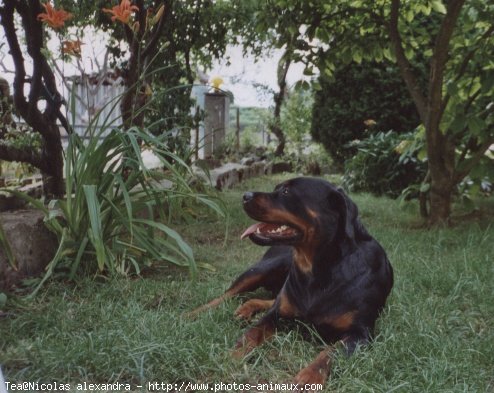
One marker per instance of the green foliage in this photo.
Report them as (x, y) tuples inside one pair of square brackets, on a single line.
[(252, 123), (379, 168), (251, 118), (106, 223), (360, 99), (13, 134), (453, 40), (6, 248), (170, 105), (313, 161), (21, 137), (296, 118)]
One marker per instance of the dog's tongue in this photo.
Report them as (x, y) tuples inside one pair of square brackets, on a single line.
[(250, 230)]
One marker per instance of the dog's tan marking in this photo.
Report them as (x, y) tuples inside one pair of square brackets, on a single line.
[(252, 338), (285, 308), (317, 371), (341, 322), (303, 257), (253, 306)]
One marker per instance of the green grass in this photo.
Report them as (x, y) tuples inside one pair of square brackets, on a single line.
[(436, 334)]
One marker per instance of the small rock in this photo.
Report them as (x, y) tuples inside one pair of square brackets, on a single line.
[(32, 244)]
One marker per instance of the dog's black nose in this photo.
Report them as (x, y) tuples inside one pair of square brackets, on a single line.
[(248, 196)]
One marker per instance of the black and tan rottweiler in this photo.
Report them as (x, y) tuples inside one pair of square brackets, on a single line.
[(323, 268)]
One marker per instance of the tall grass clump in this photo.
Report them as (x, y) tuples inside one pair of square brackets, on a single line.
[(106, 224)]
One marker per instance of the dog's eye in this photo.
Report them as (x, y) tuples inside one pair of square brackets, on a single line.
[(284, 191)]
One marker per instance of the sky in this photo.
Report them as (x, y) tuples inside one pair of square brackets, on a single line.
[(243, 73), (240, 73)]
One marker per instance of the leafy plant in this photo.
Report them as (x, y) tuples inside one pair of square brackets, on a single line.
[(296, 119), (105, 225), (380, 167)]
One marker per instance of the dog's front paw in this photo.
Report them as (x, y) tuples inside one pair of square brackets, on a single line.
[(252, 307), (247, 310), (310, 379)]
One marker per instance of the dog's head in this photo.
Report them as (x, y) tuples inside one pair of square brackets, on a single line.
[(302, 211)]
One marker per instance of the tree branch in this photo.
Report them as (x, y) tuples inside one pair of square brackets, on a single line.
[(438, 65), (11, 153), (34, 42), (7, 14), (404, 64)]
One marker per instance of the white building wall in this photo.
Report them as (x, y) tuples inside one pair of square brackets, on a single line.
[(97, 106)]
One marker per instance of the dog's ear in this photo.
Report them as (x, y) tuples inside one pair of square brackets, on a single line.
[(348, 216)]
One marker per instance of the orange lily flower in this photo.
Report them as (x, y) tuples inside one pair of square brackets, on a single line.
[(72, 47), (54, 18), (122, 11)]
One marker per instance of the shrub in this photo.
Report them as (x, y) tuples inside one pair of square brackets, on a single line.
[(380, 166), (371, 93)]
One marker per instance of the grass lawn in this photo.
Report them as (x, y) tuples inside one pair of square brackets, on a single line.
[(436, 334)]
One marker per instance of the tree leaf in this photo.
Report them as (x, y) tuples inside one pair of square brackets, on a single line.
[(476, 125), (487, 83), (422, 154), (438, 6), (424, 187), (458, 123)]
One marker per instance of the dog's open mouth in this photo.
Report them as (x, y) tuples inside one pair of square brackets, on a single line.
[(268, 231)]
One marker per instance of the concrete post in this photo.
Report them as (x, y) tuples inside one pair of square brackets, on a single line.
[(216, 106)]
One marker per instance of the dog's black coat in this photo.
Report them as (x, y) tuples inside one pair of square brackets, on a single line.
[(322, 265)]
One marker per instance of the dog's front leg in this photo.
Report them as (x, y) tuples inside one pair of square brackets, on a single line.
[(317, 372), (252, 307), (256, 335)]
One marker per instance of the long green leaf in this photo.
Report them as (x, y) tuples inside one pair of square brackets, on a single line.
[(95, 231), (78, 258), (182, 245), (187, 250)]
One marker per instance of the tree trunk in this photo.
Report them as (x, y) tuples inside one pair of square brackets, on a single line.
[(424, 199), (441, 156), (41, 85), (52, 163), (440, 147), (275, 126), (440, 198), (279, 97)]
